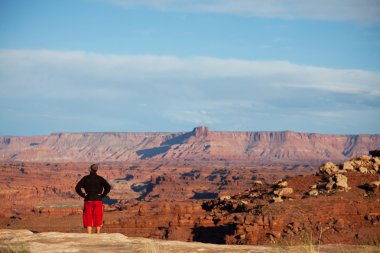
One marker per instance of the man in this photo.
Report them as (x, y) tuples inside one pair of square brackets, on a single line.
[(95, 188)]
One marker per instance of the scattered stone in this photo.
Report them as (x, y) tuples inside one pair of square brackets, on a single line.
[(330, 185), (277, 199), (363, 170), (284, 191), (223, 198), (282, 184), (329, 168), (376, 160), (313, 193), (341, 181), (347, 166), (364, 158)]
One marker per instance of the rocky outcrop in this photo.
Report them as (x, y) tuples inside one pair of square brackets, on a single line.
[(201, 131), (10, 146), (197, 145), (334, 174), (281, 191), (281, 212), (52, 242)]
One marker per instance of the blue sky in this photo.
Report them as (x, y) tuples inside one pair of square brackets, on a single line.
[(169, 65)]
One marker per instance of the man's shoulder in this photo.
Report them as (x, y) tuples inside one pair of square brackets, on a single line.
[(100, 177), (103, 179)]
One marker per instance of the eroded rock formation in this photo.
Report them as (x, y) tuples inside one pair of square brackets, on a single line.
[(333, 206), (197, 145)]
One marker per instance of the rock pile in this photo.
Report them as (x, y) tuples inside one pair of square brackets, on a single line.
[(240, 202), (247, 200), (335, 180), (281, 191), (363, 164)]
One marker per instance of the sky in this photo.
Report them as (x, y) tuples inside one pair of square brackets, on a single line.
[(172, 65)]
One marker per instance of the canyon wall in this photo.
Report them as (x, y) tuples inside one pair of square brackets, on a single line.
[(197, 145)]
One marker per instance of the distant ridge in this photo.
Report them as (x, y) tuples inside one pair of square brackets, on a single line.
[(197, 145)]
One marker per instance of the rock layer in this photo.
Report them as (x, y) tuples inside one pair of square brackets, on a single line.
[(197, 145)]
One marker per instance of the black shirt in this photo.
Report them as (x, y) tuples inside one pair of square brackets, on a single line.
[(95, 187)]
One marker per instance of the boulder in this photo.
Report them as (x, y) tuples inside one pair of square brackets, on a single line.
[(284, 191), (364, 158), (330, 185), (341, 181), (224, 198), (329, 168), (376, 160), (347, 166), (313, 193), (363, 170), (280, 184), (277, 199), (357, 163)]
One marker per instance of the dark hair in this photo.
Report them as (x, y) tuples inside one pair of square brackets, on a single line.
[(94, 167)]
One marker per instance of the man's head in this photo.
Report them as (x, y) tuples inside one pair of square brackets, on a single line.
[(94, 167)]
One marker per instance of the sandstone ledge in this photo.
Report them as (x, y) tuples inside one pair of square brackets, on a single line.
[(49, 242)]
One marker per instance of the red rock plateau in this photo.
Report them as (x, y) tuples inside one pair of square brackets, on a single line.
[(198, 145), (219, 187)]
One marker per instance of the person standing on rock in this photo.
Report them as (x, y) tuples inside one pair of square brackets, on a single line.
[(95, 188)]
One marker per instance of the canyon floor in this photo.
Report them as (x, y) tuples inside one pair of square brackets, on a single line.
[(41, 196), (257, 204)]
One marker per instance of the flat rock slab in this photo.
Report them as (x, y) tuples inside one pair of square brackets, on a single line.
[(55, 242)]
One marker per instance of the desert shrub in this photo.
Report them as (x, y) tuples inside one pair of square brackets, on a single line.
[(151, 247), (305, 246), (15, 249)]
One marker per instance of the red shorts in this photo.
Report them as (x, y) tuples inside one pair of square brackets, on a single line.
[(93, 213)]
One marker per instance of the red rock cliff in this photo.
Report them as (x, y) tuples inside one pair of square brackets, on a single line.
[(200, 144)]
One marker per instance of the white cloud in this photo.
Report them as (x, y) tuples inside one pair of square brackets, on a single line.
[(364, 11), (161, 92), (58, 72)]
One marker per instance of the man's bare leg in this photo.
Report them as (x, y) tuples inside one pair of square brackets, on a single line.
[(89, 230), (98, 230)]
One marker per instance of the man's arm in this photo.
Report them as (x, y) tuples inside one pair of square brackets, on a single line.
[(78, 188), (106, 188)]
